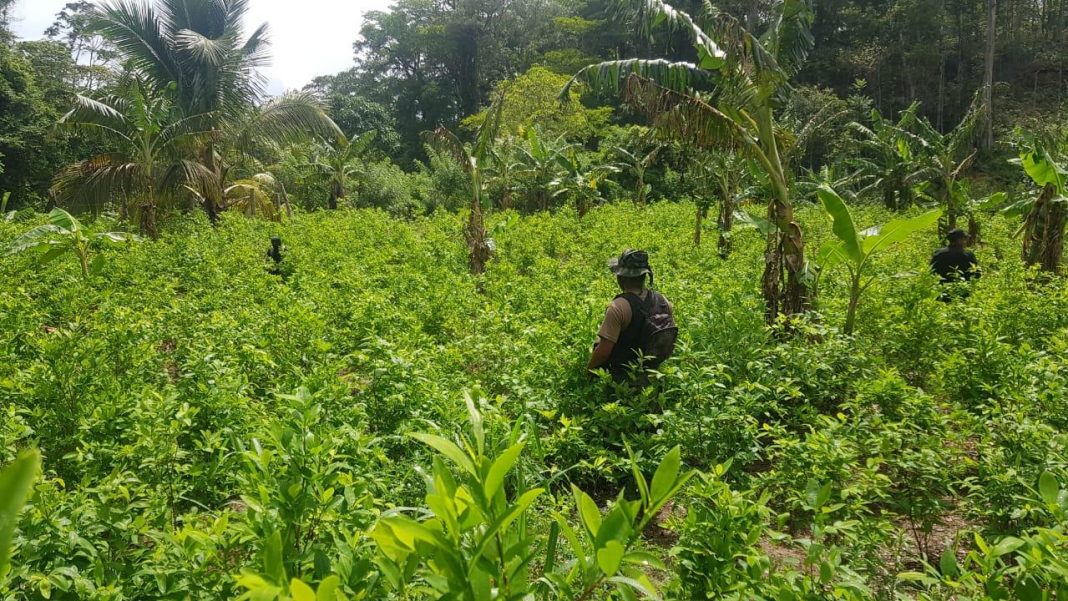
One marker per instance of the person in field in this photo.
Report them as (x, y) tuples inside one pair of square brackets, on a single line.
[(955, 263), (638, 331), (276, 256)]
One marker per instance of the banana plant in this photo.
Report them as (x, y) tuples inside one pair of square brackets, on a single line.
[(1047, 211), (751, 73), (339, 164), (888, 160), (64, 234), (474, 159), (539, 165), (855, 249), (579, 181), (639, 166), (15, 482)]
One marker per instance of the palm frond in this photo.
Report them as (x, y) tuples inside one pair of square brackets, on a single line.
[(291, 118), (611, 76), (688, 117), (95, 183), (202, 49), (136, 31), (447, 142), (652, 13)]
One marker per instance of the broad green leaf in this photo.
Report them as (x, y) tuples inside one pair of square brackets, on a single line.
[(15, 482), (743, 219), (1006, 545), (1043, 171), (44, 235), (588, 511), (614, 526), (644, 558), (898, 229), (830, 254), (842, 225), (60, 218), (610, 557), (638, 586), (52, 254), (301, 591), (947, 564), (328, 588), (572, 539), (666, 475), (500, 468), (1049, 488), (447, 448), (408, 531), (993, 202), (272, 559)]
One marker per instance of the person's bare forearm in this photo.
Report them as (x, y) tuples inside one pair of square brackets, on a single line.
[(600, 355)]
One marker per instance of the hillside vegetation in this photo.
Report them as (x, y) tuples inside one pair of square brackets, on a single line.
[(200, 417)]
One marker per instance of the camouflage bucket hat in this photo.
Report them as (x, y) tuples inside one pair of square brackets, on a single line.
[(631, 264)]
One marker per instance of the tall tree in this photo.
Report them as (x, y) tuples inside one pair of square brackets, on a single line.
[(986, 142), (197, 50), (93, 55), (752, 72), (148, 138)]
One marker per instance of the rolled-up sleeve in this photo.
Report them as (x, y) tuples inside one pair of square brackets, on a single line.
[(616, 319)]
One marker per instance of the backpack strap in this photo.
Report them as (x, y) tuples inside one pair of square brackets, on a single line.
[(639, 310)]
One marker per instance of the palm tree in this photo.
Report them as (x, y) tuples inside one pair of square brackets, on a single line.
[(951, 154), (751, 73), (196, 52), (639, 165), (540, 162), (147, 165), (889, 161), (474, 158), (338, 164)]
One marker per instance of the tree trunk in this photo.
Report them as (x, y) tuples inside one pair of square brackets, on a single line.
[(986, 142), (725, 222), (854, 301), (785, 293), (941, 72), (698, 223), (475, 233), (973, 229), (148, 221), (213, 194)]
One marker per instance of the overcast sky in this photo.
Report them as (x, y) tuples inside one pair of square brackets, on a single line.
[(308, 37)]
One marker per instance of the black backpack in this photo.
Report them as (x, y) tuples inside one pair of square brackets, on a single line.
[(658, 333)]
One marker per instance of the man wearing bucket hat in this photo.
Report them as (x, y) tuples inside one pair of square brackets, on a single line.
[(638, 326)]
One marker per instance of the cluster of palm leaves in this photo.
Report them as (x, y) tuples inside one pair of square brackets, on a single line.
[(727, 101), (910, 160), (188, 115)]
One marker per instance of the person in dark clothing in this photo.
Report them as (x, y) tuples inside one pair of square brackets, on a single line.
[(276, 254), (619, 339), (954, 262)]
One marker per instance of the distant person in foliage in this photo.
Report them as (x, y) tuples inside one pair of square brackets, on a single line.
[(276, 254), (638, 331), (955, 263)]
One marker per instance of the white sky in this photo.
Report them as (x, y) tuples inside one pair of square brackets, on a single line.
[(308, 37)]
